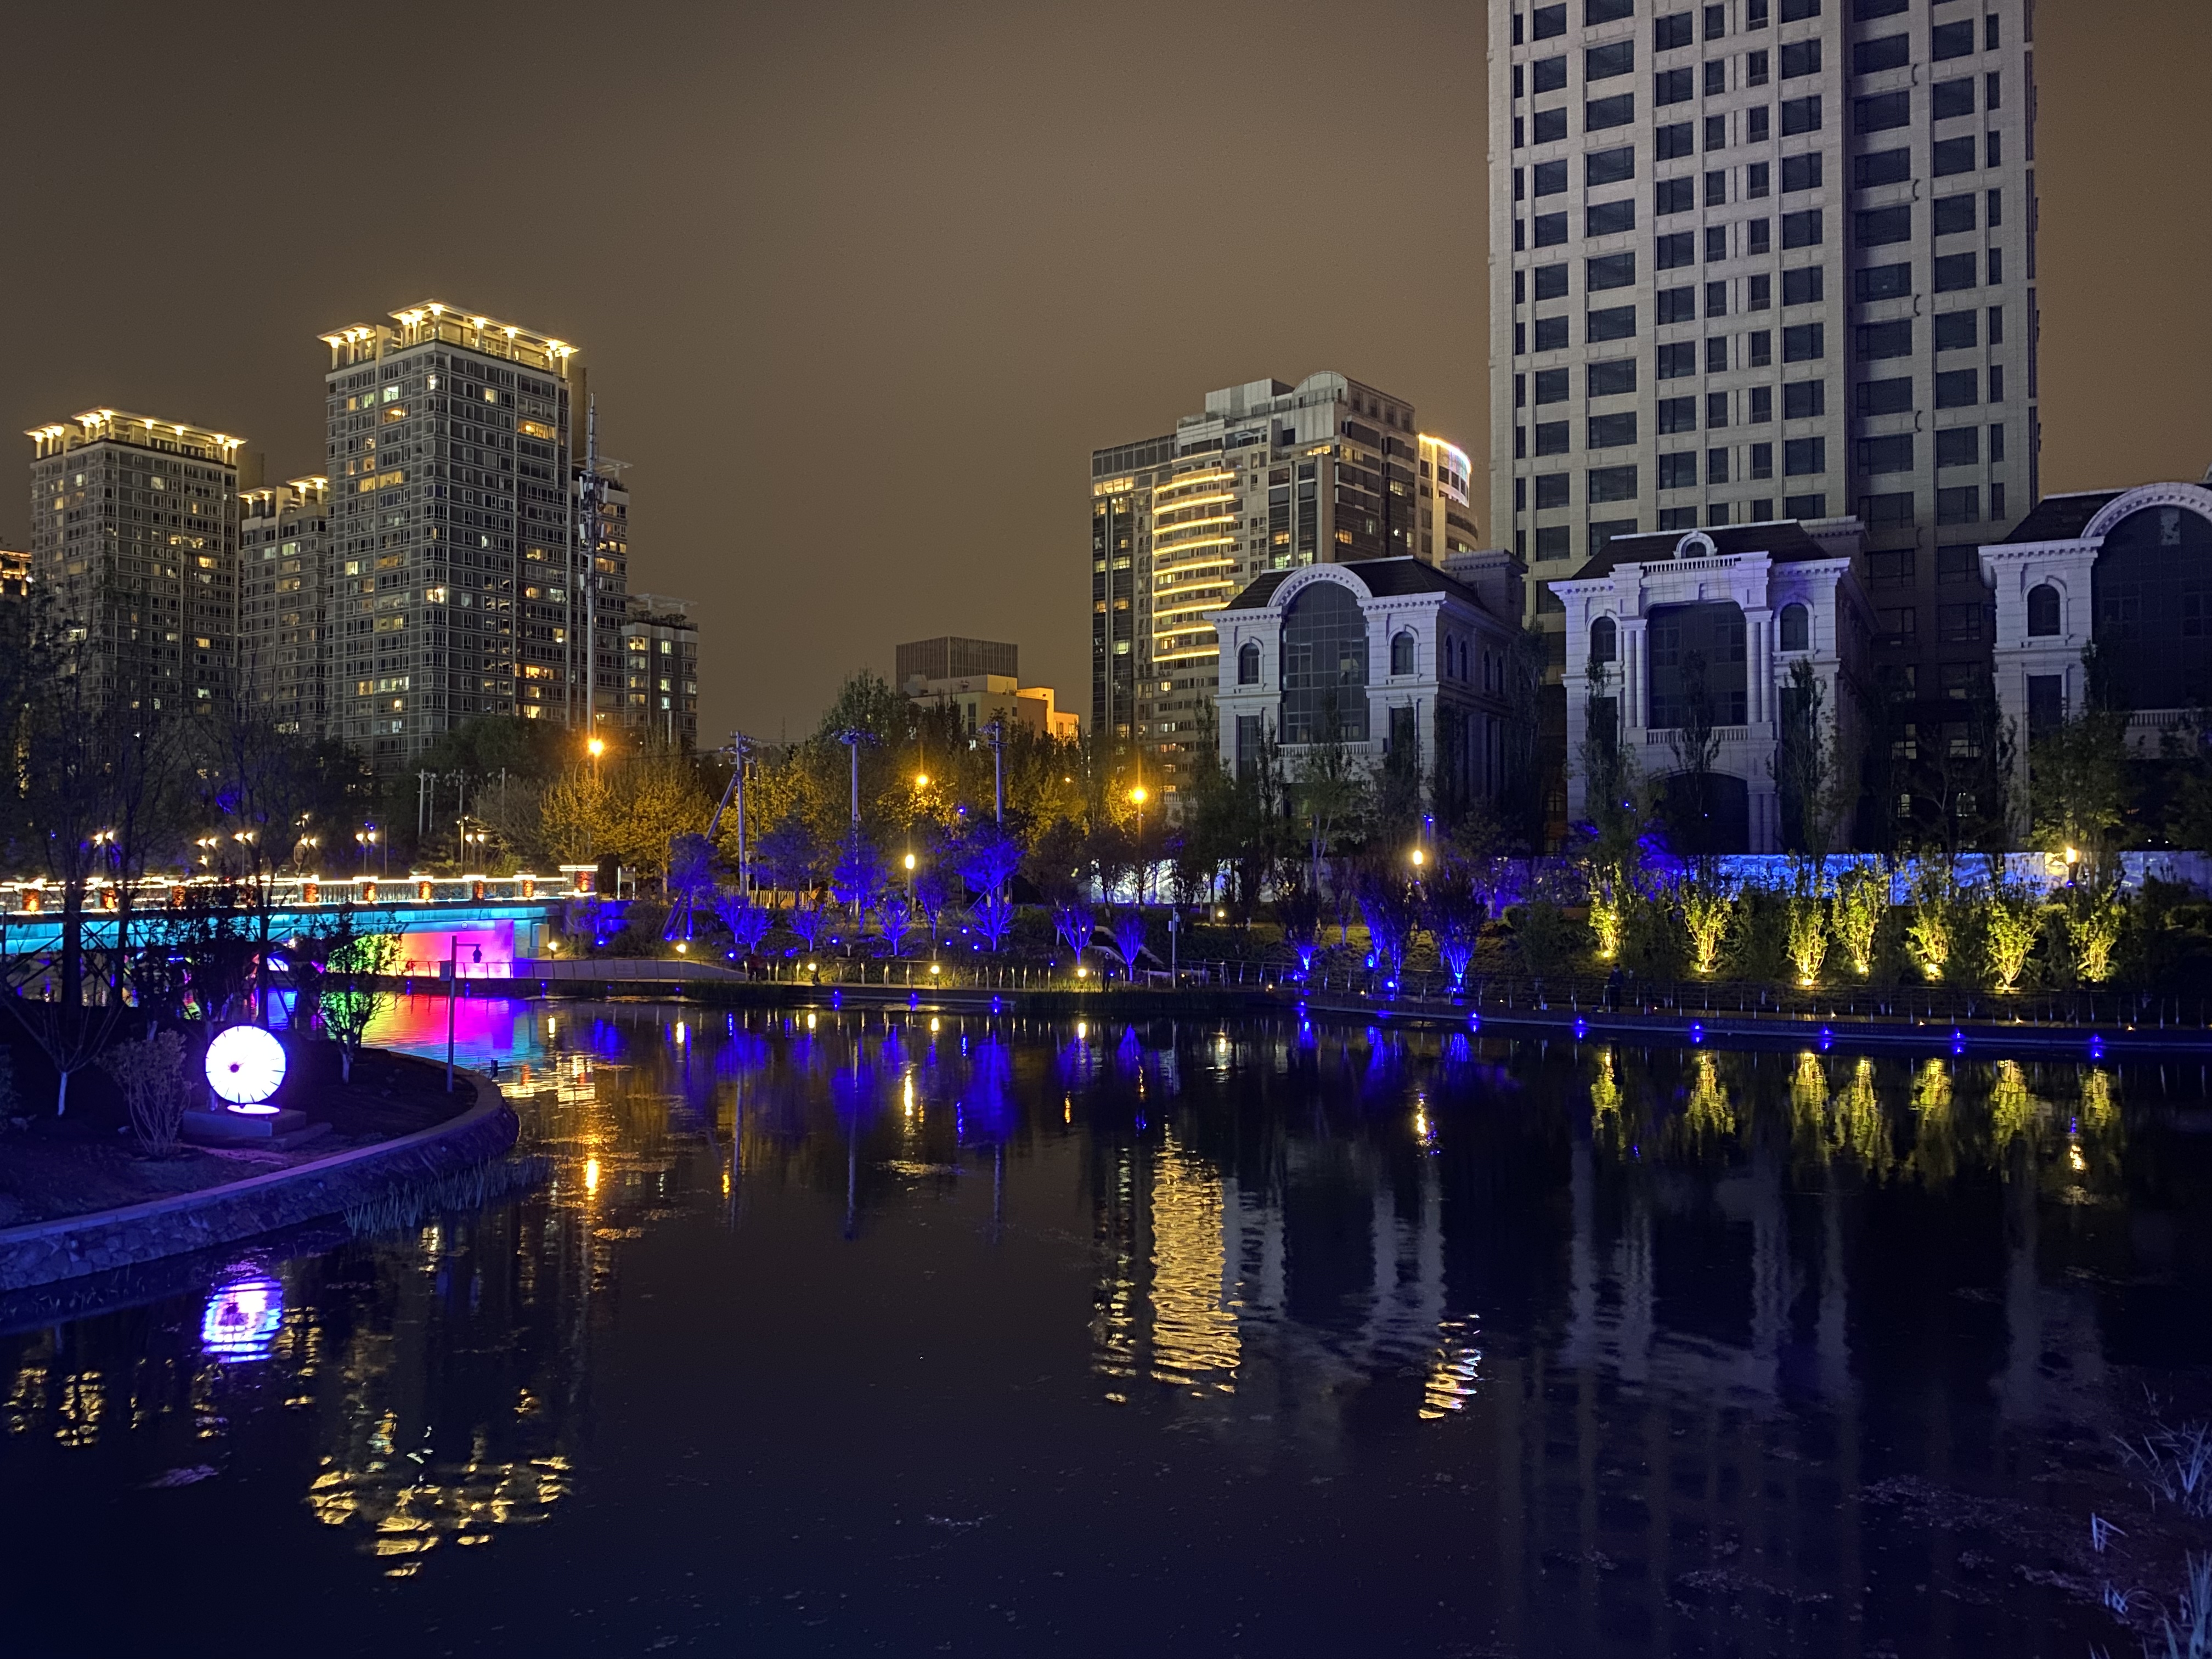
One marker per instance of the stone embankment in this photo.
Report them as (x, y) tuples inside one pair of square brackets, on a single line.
[(70, 1247)]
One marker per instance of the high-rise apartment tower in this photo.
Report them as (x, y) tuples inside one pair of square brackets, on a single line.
[(457, 574), (283, 624), (134, 533), (1268, 476), (1769, 259)]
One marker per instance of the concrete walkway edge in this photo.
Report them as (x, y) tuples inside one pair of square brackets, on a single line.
[(69, 1247)]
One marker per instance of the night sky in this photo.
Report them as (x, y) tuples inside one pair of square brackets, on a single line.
[(860, 287)]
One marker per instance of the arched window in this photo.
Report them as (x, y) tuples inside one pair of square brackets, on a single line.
[(1401, 653), (2042, 612), (2147, 595), (1324, 666), (1603, 638), (1796, 628), (1247, 663)]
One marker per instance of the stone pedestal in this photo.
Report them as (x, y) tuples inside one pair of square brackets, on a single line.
[(226, 1128)]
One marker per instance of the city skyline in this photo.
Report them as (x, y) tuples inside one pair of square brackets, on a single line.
[(714, 256)]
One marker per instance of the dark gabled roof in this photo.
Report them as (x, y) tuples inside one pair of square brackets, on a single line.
[(2062, 518), (1260, 590), (1783, 540), (1383, 578)]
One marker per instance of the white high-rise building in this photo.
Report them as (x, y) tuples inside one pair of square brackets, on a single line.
[(1768, 259)]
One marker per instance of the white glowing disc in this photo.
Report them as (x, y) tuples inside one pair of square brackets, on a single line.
[(245, 1064)]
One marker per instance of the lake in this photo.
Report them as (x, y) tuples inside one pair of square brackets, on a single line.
[(842, 1332)]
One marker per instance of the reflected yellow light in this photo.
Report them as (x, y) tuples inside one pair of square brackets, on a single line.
[(909, 860), (932, 1026), (591, 1174), (810, 1022)]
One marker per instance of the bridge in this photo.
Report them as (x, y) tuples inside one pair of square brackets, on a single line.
[(501, 917)]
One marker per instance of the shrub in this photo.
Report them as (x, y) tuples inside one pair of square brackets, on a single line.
[(2010, 924), (1545, 935), (1706, 909), (152, 1075), (2093, 932), (1809, 936), (1929, 934), (1862, 902)]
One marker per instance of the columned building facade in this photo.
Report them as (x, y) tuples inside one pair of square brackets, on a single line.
[(1392, 659), (2128, 572), (1672, 641)]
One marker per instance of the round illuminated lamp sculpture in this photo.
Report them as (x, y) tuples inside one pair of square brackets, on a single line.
[(245, 1067)]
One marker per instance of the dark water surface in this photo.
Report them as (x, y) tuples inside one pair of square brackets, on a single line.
[(830, 1333)]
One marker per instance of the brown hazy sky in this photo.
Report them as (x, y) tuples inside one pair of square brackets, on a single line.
[(860, 287)]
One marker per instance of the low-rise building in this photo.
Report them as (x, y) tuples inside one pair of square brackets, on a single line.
[(2127, 571), (1395, 659), (1685, 648), (979, 699)]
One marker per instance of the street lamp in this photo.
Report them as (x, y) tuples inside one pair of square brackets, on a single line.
[(596, 748), (452, 977), (1137, 795)]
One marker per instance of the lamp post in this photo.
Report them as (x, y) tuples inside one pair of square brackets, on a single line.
[(1137, 796), (452, 977), (596, 748)]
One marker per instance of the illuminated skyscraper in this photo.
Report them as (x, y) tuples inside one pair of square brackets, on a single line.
[(283, 575), (457, 573), (134, 532)]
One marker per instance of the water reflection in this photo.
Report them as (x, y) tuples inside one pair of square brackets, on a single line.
[(244, 1313), (1667, 1310)]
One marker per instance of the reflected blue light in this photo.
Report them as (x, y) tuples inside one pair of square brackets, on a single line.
[(1582, 1028), (2096, 1046), (1957, 1041), (1827, 1038), (1696, 1032), (243, 1315)]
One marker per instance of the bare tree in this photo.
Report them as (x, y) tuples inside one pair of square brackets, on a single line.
[(93, 775)]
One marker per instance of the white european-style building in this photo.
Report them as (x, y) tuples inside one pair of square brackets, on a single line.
[(1668, 629), (1376, 655), (2129, 570)]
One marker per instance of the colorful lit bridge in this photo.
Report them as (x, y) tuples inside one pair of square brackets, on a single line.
[(495, 920)]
